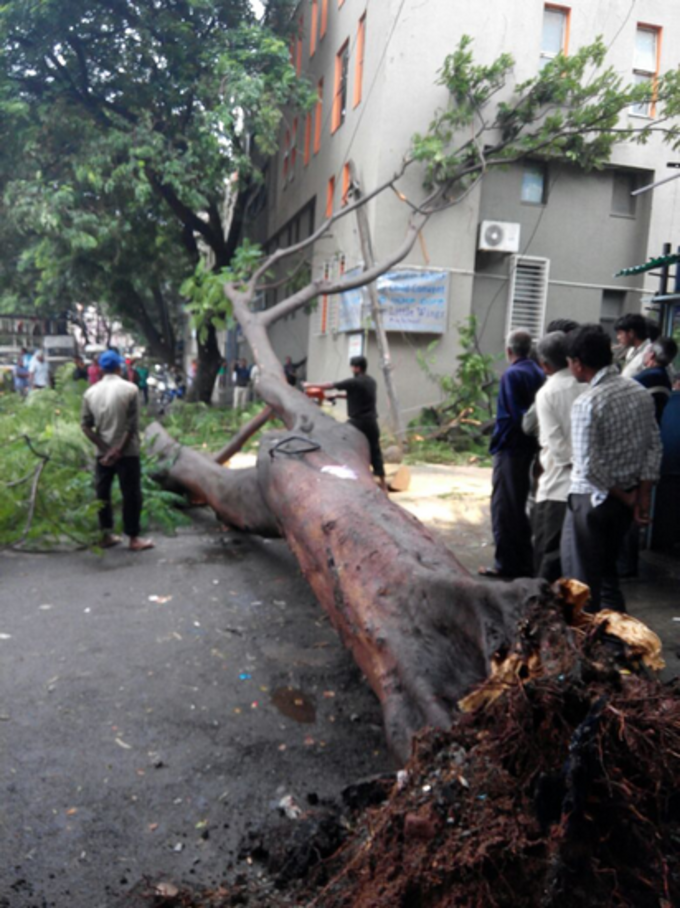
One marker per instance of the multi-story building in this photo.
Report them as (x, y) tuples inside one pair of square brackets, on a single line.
[(533, 242)]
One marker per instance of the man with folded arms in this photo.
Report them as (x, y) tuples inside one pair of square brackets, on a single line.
[(616, 458)]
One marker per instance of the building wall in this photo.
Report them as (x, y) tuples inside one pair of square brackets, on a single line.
[(406, 43)]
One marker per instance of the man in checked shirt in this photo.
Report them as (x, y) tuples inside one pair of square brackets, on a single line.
[(616, 460)]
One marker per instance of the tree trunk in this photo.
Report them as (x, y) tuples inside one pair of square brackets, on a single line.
[(209, 362), (421, 629)]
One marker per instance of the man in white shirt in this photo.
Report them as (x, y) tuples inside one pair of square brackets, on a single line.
[(109, 418), (553, 410), (632, 334), (38, 372)]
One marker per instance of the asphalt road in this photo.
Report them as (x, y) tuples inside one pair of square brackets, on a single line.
[(141, 737)]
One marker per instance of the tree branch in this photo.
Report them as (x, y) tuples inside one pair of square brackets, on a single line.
[(349, 282), (280, 254)]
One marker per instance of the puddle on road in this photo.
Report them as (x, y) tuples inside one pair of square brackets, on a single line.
[(294, 704)]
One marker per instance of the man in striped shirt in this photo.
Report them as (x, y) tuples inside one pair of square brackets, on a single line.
[(616, 459)]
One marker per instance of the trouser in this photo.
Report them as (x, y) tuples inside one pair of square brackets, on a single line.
[(511, 527), (240, 397), (629, 557), (548, 520), (369, 426), (591, 542), (129, 473)]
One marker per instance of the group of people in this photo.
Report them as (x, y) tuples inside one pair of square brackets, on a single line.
[(244, 379), (132, 370), (577, 424), (31, 372)]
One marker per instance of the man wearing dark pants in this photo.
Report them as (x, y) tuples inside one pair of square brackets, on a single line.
[(553, 410), (362, 395), (109, 418), (513, 453), (616, 458)]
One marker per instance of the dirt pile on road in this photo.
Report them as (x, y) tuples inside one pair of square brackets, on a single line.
[(558, 786)]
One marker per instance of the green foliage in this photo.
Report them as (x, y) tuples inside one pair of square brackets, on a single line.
[(574, 110), (46, 491), (124, 131), (209, 428), (204, 289), (469, 394)]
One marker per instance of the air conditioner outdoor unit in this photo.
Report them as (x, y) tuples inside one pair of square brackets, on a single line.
[(498, 236)]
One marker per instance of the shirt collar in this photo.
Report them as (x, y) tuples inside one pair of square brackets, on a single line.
[(602, 374)]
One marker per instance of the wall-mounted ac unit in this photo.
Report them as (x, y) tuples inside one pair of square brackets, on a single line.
[(498, 236)]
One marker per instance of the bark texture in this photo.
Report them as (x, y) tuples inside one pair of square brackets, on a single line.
[(420, 628)]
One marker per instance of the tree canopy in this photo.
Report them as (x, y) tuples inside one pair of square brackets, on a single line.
[(137, 132)]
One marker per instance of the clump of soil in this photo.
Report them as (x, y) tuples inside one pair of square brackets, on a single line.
[(559, 789)]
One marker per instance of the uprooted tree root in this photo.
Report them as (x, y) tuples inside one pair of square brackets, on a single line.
[(560, 788)]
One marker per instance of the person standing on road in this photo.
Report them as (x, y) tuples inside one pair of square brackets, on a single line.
[(362, 393), (616, 460), (632, 335), (38, 372), (513, 454), (21, 376), (110, 419), (553, 410), (94, 372), (241, 379)]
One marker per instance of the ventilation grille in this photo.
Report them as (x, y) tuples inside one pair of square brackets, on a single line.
[(528, 294)]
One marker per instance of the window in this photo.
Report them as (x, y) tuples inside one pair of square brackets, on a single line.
[(534, 183), (646, 65), (528, 293), (346, 185), (330, 197), (318, 111), (555, 36), (308, 138), (623, 203), (298, 49), (340, 89), (612, 308), (324, 18), (359, 67), (293, 150), (313, 27)]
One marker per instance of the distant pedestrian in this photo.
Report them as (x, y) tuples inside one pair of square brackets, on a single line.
[(110, 419), (38, 372), (21, 375), (616, 458), (241, 379), (362, 394), (290, 370), (79, 369), (632, 334), (143, 384), (658, 361), (513, 454), (94, 372)]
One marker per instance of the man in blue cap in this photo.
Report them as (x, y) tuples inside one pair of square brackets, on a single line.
[(110, 419)]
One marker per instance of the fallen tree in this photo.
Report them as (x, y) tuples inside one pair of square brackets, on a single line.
[(420, 628)]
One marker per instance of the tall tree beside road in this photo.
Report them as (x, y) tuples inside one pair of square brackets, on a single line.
[(419, 626), (143, 115)]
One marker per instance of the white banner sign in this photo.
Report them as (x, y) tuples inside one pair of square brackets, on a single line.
[(415, 301)]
